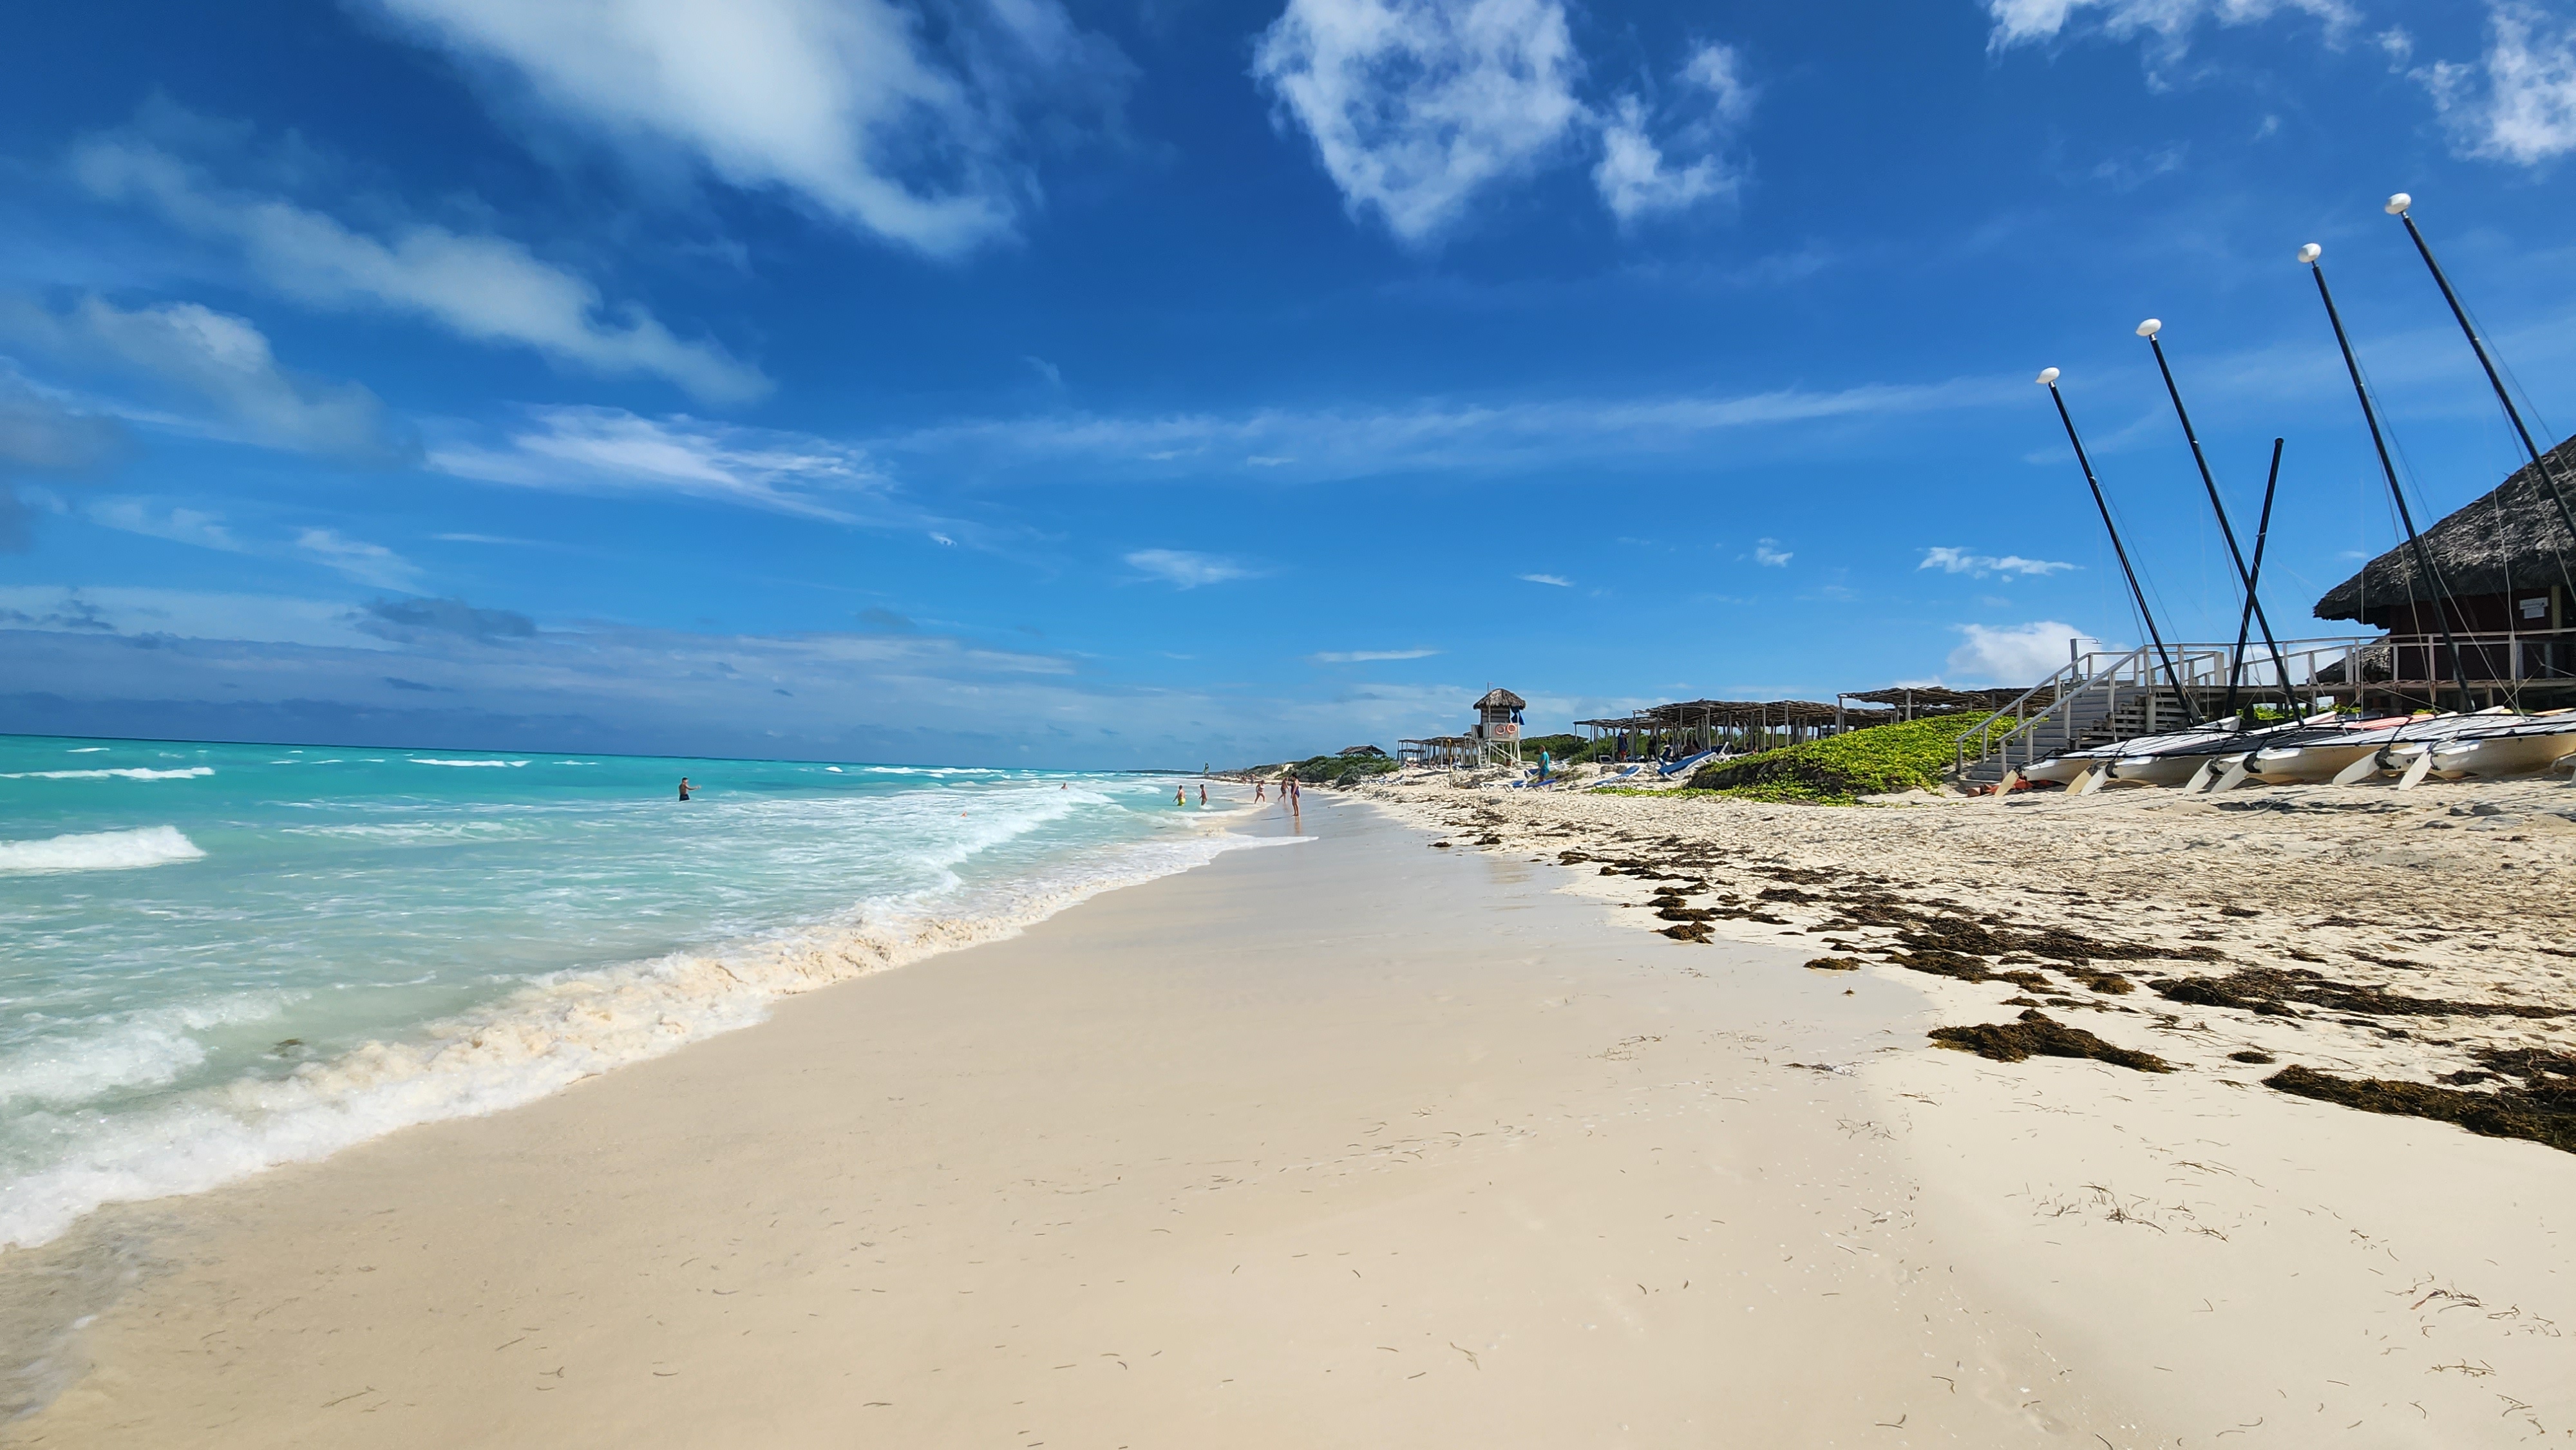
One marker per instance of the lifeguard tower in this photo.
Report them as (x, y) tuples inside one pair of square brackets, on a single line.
[(1498, 727)]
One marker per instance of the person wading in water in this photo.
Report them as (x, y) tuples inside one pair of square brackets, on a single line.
[(684, 787)]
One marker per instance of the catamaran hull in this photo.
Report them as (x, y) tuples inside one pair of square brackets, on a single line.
[(2305, 762), (2158, 769), (2502, 755)]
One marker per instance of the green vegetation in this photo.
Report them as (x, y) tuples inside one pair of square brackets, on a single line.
[(1561, 749), (1838, 769), (1335, 769)]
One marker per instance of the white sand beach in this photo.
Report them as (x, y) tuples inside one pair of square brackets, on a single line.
[(1350, 1143)]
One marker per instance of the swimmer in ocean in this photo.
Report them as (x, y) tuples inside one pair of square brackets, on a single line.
[(684, 787)]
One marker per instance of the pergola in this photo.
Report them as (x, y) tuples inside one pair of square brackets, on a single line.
[(1738, 726), (1441, 750), (1909, 701)]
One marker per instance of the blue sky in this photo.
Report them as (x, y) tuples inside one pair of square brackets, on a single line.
[(1087, 384)]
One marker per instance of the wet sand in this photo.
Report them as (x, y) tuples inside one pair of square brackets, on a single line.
[(1351, 1142)]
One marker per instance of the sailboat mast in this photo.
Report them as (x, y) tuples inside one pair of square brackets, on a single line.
[(2414, 541), (2398, 207), (2148, 330), (2245, 616), (2191, 716)]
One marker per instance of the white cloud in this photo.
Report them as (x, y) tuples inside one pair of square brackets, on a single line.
[(481, 287), (1767, 551), (1959, 561), (2519, 102), (352, 558), (1426, 435), (1557, 580), (367, 563), (610, 450), (179, 525), (219, 359), (2019, 22), (894, 119), (1363, 656), (1719, 70), (1633, 175), (2019, 654), (1187, 569), (1416, 105)]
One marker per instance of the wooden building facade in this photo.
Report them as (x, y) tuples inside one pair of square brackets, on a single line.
[(2506, 566)]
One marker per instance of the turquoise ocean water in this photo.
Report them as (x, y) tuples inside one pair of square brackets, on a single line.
[(214, 958)]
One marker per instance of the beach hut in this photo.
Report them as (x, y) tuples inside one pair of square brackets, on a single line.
[(2503, 564)]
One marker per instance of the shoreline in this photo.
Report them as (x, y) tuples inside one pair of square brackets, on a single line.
[(553, 1030), (1359, 1143)]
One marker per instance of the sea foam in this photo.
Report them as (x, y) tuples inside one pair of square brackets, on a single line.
[(130, 772), (100, 851), (553, 1032), (144, 1049)]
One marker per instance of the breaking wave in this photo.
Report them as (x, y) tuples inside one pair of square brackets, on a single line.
[(100, 851), (130, 772), (553, 1031)]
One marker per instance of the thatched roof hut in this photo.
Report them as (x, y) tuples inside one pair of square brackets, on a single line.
[(2497, 555), (1499, 699)]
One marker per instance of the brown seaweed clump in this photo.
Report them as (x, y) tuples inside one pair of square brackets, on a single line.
[(2037, 1034), (1834, 964), (2270, 991), (2541, 1109)]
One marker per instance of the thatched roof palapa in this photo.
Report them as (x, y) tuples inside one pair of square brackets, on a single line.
[(2512, 537), (1499, 699)]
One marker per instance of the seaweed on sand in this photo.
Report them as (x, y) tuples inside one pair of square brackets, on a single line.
[(2270, 991), (1919, 931), (2542, 1109), (1834, 964), (2039, 1035)]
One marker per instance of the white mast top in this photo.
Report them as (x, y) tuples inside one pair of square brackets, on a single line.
[(2311, 252), (2397, 204), (2047, 376), (2150, 327)]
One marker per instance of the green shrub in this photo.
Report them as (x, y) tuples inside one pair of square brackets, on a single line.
[(1561, 749), (1336, 769), (1911, 755)]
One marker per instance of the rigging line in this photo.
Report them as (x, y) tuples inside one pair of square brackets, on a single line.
[(2148, 584), (2048, 379), (2379, 440), (2512, 608), (2399, 207), (2148, 330), (2523, 394)]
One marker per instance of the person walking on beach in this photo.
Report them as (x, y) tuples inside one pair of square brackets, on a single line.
[(1257, 797), (1202, 795), (684, 787)]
